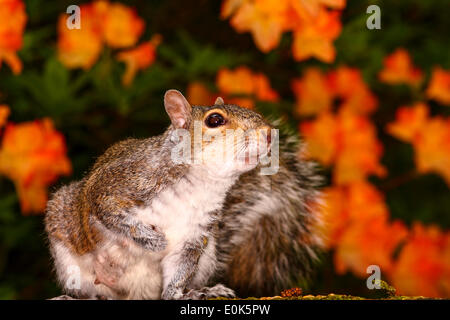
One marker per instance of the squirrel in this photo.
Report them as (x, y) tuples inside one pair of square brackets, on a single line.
[(143, 225)]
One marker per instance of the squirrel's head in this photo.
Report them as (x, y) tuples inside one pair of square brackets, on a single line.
[(224, 138)]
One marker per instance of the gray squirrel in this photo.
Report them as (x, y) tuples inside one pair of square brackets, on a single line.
[(144, 225)]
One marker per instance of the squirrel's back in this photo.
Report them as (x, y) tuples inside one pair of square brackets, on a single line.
[(267, 238)]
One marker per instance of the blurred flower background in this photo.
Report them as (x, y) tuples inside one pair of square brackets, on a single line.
[(372, 105)]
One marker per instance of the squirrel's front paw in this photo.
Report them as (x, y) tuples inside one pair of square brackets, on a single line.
[(151, 238), (218, 290)]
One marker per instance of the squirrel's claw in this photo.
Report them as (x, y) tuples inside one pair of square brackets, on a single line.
[(218, 290)]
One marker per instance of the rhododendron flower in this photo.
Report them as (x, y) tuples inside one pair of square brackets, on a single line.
[(122, 26), (356, 225), (398, 68), (262, 89), (348, 84), (423, 266), (240, 86), (359, 149), (313, 92), (199, 95), (263, 18), (439, 86), (313, 25), (346, 140), (138, 58), (430, 138), (12, 24), (237, 81), (311, 8), (80, 48), (33, 155), (347, 204), (321, 137), (369, 243), (432, 148), (315, 38), (102, 22), (409, 122)]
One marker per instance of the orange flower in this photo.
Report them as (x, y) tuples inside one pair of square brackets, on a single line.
[(432, 147), (347, 140), (356, 225), (409, 121), (241, 86), (315, 38), (80, 48), (314, 26), (348, 204), (265, 19), (423, 266), (359, 149), (138, 58), (198, 94), (398, 68), (262, 89), (13, 19), (315, 92), (369, 243), (430, 138), (348, 84), (122, 26), (321, 137), (237, 81), (439, 86), (310, 8), (102, 22), (4, 114), (312, 92), (33, 155)]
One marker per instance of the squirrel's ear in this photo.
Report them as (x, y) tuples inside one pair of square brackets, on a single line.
[(178, 108), (219, 101)]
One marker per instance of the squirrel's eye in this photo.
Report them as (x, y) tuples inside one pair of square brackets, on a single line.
[(214, 120)]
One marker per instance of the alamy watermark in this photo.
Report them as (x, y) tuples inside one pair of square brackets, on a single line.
[(74, 20), (373, 281), (374, 20)]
